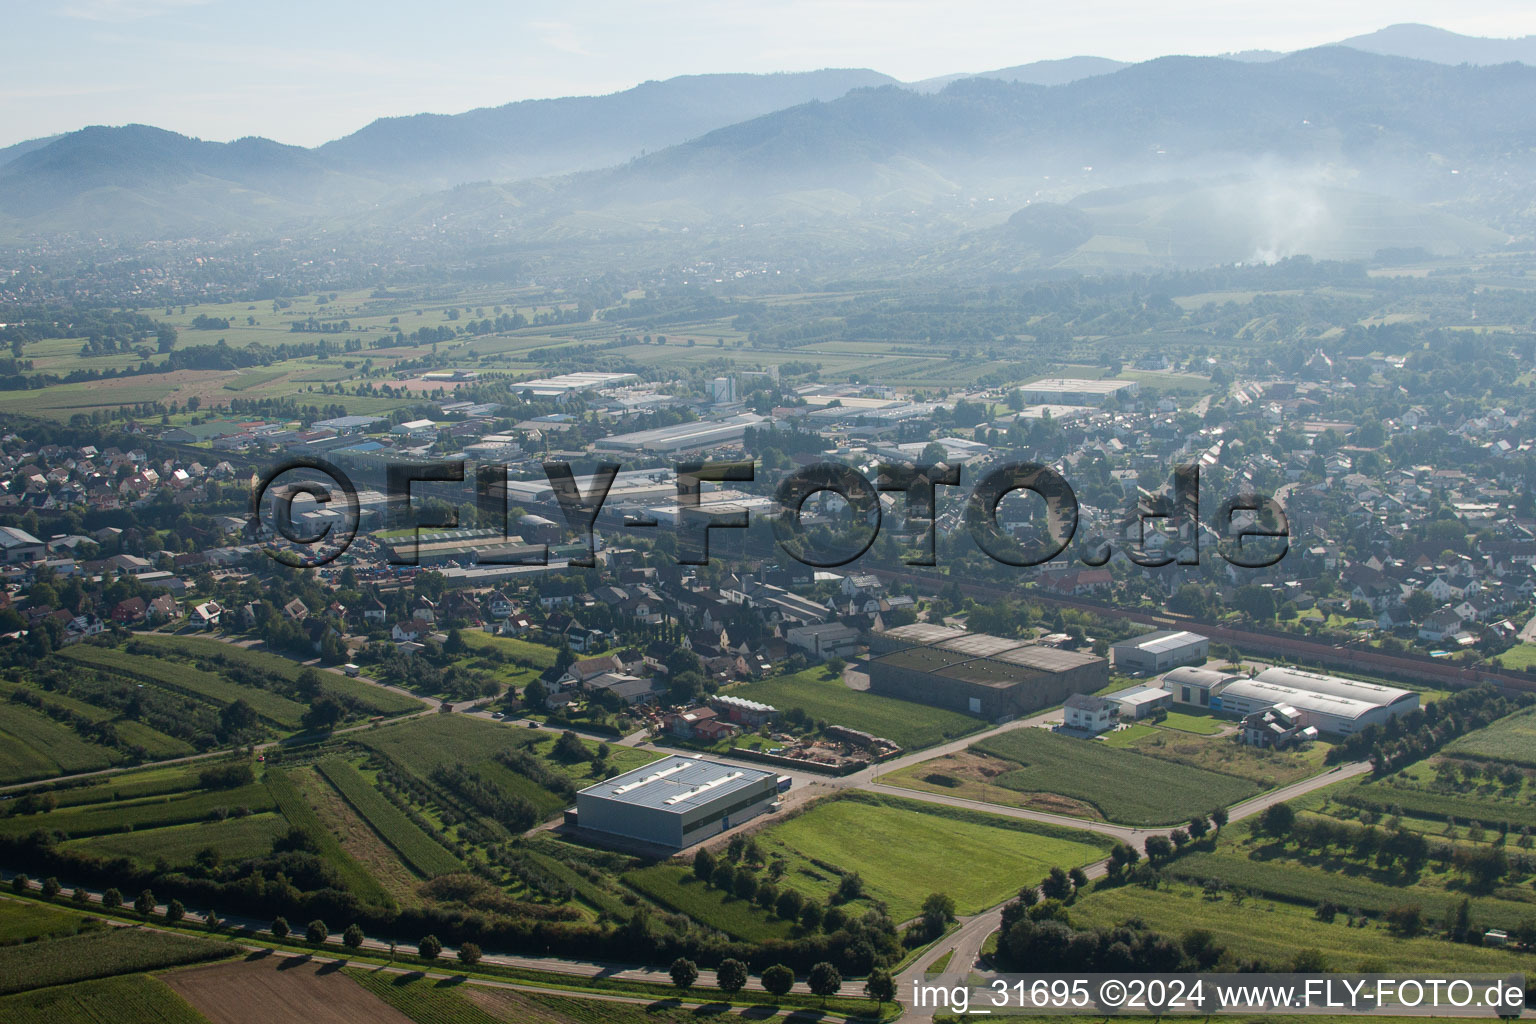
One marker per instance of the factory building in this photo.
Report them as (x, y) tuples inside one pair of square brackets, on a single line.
[(1160, 651), (677, 801), (683, 436), (991, 676), (1075, 391), (1396, 700), (1329, 703), (1324, 711)]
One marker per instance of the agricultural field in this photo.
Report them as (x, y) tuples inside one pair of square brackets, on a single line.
[(904, 850), (101, 954), (1511, 740), (144, 813), (274, 708), (913, 726), (1430, 795), (674, 886), (33, 746), (1273, 932), (425, 855), (438, 741), (234, 838), (25, 921), (295, 807), (1246, 860), (1037, 768), (371, 699), (129, 998), (287, 991)]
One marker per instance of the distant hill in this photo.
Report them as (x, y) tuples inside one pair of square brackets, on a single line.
[(534, 138), (1423, 42), (1040, 72), (1392, 137), (1326, 105)]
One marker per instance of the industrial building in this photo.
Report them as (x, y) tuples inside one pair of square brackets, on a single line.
[(1397, 700), (1160, 651), (1075, 391), (572, 383), (677, 801), (1196, 686), (683, 436), (1330, 703), (992, 676), (1326, 712), (1140, 701)]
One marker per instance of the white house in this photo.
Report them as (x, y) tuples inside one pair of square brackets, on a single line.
[(1090, 714)]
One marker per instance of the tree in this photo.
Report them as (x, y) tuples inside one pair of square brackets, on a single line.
[(684, 973), (236, 719), (810, 916), (703, 865), (938, 911), (778, 979), (352, 938), (1159, 848), (469, 954), (731, 976), (534, 695), (1220, 817), (111, 899), (175, 911), (308, 682), (1198, 826), (316, 933), (20, 883), (1079, 879), (323, 714), (429, 948), (145, 904), (1057, 885), (880, 987), (825, 980), (569, 747), (1277, 820), (280, 927), (51, 887)]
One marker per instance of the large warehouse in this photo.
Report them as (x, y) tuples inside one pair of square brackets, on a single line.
[(1397, 701), (985, 675), (1329, 703), (1160, 651), (677, 801), (1323, 711)]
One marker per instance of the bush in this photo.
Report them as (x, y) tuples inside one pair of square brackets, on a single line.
[(429, 948), (469, 954), (20, 883), (352, 938), (175, 911), (280, 927), (316, 933), (51, 888), (112, 899)]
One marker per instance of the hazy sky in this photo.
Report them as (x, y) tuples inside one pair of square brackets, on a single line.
[(307, 72)]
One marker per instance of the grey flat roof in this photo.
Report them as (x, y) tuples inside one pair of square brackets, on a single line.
[(1047, 659), (979, 645), (922, 633), (676, 784)]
